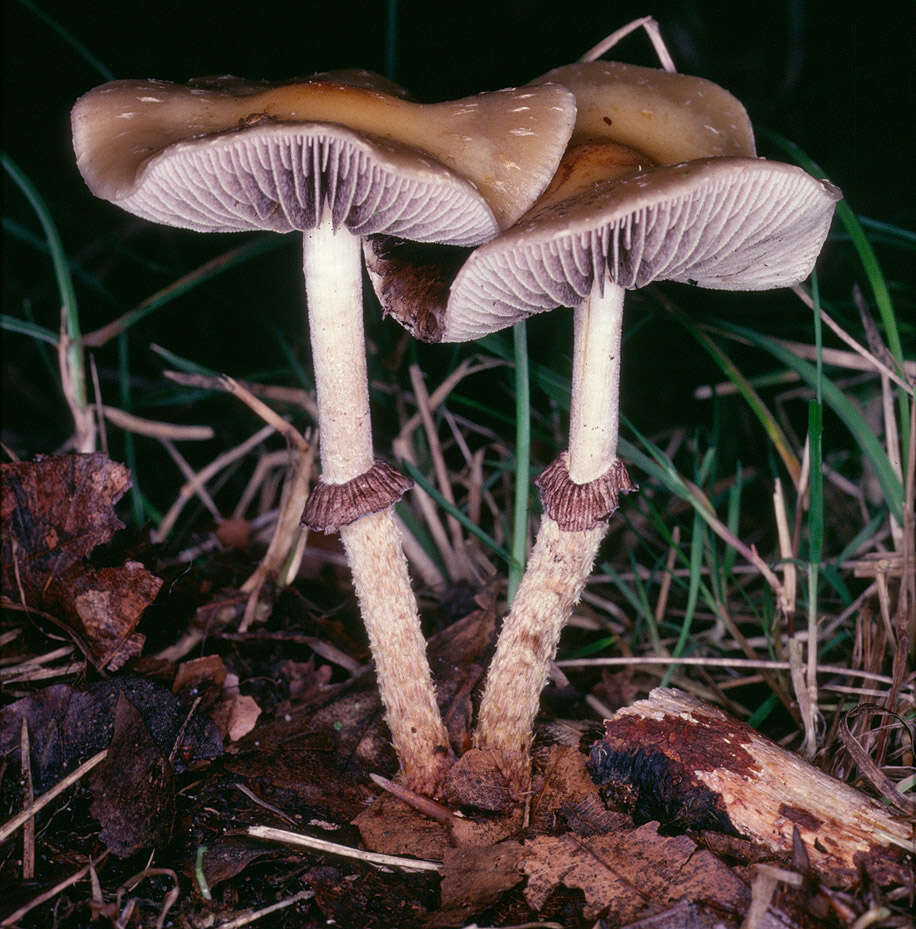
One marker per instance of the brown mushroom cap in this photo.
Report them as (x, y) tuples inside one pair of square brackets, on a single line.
[(722, 223), (669, 117), (220, 156), (629, 119)]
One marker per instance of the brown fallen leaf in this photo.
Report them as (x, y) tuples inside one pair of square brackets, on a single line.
[(55, 511), (106, 604), (134, 787), (631, 874), (201, 677), (67, 725), (224, 858), (473, 878)]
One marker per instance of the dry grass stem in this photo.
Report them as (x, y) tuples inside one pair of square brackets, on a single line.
[(418, 558), (294, 396), (333, 848), (84, 431), (188, 472), (28, 798), (24, 815), (252, 916), (254, 798), (155, 429), (461, 564), (200, 478), (21, 666), (127, 887), (50, 893)]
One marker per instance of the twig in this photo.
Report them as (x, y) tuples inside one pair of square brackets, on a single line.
[(28, 798), (250, 916), (51, 892), (23, 816), (417, 801), (218, 463), (294, 396), (333, 848), (154, 428), (442, 476)]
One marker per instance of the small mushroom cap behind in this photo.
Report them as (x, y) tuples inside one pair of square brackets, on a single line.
[(669, 117), (248, 155), (721, 223)]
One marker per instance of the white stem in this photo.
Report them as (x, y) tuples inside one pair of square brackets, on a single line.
[(593, 406), (561, 561), (332, 262), (333, 272)]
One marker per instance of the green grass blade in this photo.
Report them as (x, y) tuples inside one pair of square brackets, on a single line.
[(106, 73), (833, 397), (187, 282), (61, 273), (744, 387), (23, 327), (697, 543), (453, 510)]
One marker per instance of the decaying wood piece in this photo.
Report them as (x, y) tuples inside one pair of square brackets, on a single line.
[(689, 765)]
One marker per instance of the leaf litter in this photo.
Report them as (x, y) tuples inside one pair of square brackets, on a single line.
[(284, 727)]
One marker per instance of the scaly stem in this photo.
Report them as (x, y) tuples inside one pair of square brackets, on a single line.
[(333, 272), (561, 561)]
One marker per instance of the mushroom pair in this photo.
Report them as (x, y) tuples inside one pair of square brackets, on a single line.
[(338, 157), (660, 182)]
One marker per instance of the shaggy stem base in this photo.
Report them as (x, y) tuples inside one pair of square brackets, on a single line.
[(561, 560), (559, 565), (376, 557), (332, 262)]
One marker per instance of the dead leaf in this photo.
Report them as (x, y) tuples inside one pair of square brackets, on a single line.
[(225, 858), (107, 603), (56, 510), (626, 875), (201, 677), (473, 878), (566, 786), (236, 716), (476, 780), (134, 787), (67, 725)]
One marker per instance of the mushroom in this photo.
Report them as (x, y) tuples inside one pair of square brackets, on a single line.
[(336, 158), (660, 182)]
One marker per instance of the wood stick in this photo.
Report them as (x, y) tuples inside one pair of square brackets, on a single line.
[(689, 765)]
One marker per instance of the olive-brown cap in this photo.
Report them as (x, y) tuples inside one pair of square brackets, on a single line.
[(667, 116), (231, 155)]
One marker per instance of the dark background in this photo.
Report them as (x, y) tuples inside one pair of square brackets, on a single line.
[(836, 80)]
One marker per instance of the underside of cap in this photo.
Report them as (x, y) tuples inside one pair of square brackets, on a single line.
[(502, 146), (721, 223), (283, 177)]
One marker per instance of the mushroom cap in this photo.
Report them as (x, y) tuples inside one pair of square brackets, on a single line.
[(669, 117), (722, 223), (231, 155)]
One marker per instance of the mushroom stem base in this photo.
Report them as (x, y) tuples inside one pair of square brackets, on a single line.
[(557, 570), (387, 604)]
